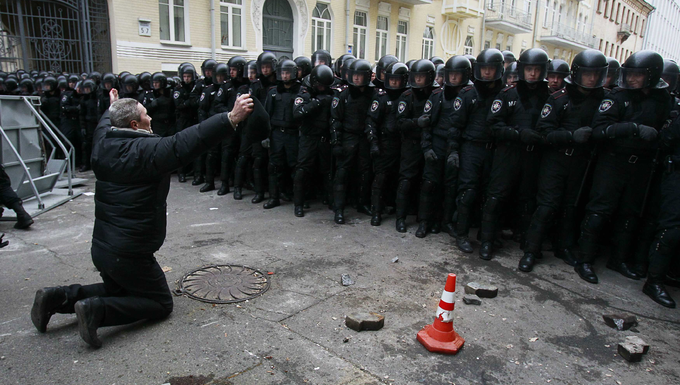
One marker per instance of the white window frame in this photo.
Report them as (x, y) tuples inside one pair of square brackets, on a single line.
[(402, 42), (428, 43), (468, 49), (230, 7), (171, 22), (324, 26), (356, 31), (380, 36), (545, 14)]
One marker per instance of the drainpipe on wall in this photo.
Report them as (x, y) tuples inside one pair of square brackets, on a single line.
[(212, 29), (481, 43), (538, 6), (347, 27)]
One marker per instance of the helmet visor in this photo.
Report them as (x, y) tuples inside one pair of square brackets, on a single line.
[(286, 74), (358, 78), (488, 72), (532, 73), (395, 81), (455, 77), (671, 79), (590, 77), (420, 79), (634, 78)]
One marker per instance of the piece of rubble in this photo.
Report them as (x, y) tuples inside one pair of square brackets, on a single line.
[(635, 340), (365, 321), (481, 290), (631, 352), (347, 280), (395, 259), (620, 321), (471, 299)]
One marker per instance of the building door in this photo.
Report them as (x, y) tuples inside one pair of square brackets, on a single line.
[(277, 28)]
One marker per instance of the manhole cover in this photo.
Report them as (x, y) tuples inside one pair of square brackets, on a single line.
[(223, 284)]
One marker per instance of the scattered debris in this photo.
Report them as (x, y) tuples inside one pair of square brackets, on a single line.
[(395, 259), (270, 273), (345, 340), (471, 299), (533, 339), (620, 321), (347, 280), (481, 290), (635, 340), (214, 208), (631, 352), (166, 269), (365, 321)]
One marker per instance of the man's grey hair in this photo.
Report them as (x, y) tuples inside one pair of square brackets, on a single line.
[(123, 111)]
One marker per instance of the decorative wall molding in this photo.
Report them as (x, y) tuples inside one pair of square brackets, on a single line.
[(384, 8), (404, 13)]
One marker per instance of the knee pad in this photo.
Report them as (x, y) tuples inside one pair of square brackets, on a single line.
[(272, 168), (427, 187), (379, 181), (257, 163), (667, 241), (544, 214), (628, 225), (467, 198), (592, 223), (299, 176)]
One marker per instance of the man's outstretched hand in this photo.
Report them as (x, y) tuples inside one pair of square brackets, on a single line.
[(242, 108), (113, 95)]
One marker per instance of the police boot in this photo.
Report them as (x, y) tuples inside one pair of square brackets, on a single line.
[(273, 191), (299, 192), (198, 180), (585, 271), (90, 314), (24, 220), (209, 184), (239, 173), (621, 246), (656, 290), (463, 243), (486, 251), (199, 163), (526, 264), (182, 178), (402, 205), (566, 255), (622, 268), (46, 303), (257, 185), (487, 232), (465, 200), (339, 217), (224, 177), (449, 208), (365, 194), (85, 164)]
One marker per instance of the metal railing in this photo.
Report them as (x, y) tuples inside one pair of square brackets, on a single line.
[(499, 11), (581, 36)]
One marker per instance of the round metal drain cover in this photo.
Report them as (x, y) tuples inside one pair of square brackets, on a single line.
[(223, 284)]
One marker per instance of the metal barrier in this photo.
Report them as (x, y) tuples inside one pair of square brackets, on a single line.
[(25, 130)]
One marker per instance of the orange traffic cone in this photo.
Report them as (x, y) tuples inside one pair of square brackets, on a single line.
[(440, 336)]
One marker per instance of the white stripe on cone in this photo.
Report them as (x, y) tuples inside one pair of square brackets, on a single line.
[(444, 315)]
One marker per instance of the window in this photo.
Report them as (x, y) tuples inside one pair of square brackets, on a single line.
[(606, 8), (469, 43), (172, 20), (231, 12), (611, 11), (381, 30), (428, 43), (642, 28), (402, 31), (360, 23), (321, 27), (545, 15), (527, 6), (599, 6)]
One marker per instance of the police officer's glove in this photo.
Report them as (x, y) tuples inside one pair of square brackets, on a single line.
[(337, 151), (582, 134), (424, 121), (430, 155), (313, 104), (507, 135), (454, 159), (647, 133), (529, 136), (375, 150), (266, 143)]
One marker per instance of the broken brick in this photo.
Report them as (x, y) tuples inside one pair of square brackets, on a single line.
[(635, 340), (481, 290), (365, 321), (631, 352), (620, 321), (471, 299)]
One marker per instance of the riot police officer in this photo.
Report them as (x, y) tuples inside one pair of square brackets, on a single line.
[(312, 108), (385, 139), (627, 122), (471, 130), (380, 70), (558, 70), (70, 116), (162, 107), (130, 87), (109, 82), (566, 122), (321, 57), (89, 118), (51, 99), (206, 109), (187, 112), (612, 73)]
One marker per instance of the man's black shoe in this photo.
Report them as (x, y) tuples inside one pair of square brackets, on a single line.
[(566, 255), (182, 178), (658, 293), (271, 203), (207, 187), (339, 217), (436, 227), (286, 197), (47, 301), (238, 193), (622, 268), (90, 313), (299, 211), (401, 225), (464, 245), (526, 264), (376, 219), (259, 197), (24, 219), (585, 271), (224, 189), (486, 251), (422, 229), (450, 229), (198, 180)]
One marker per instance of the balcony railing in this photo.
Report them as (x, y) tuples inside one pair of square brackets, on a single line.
[(567, 35), (508, 13), (463, 9)]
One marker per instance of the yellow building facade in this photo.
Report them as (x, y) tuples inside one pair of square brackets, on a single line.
[(158, 35)]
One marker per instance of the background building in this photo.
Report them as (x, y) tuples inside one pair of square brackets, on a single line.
[(663, 29)]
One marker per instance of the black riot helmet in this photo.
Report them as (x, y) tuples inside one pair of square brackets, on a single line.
[(96, 76), (457, 65), (589, 69), (110, 78), (321, 56), (11, 84), (558, 66), (534, 59), (439, 77), (187, 69), (172, 83), (421, 74), (50, 84), (131, 84), (221, 71), (473, 61), (409, 63), (208, 65), (382, 64), (396, 76), (508, 57), (489, 66), (321, 76), (338, 65), (238, 64), (266, 59), (161, 79), (121, 77), (251, 70), (286, 71), (436, 60), (304, 65), (670, 74), (359, 74), (642, 69), (179, 67), (145, 80), (613, 72), (510, 74), (345, 68), (62, 83), (88, 86), (26, 86)]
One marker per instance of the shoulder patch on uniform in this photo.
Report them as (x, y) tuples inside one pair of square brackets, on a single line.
[(381, 91), (374, 106), (298, 100), (496, 106), (547, 109), (176, 94), (559, 93), (468, 88), (605, 105), (336, 101), (457, 103), (63, 99), (438, 90), (402, 107), (407, 92), (219, 93), (202, 96), (428, 106), (506, 89)]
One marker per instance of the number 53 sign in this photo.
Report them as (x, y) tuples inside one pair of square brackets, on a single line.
[(144, 27)]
